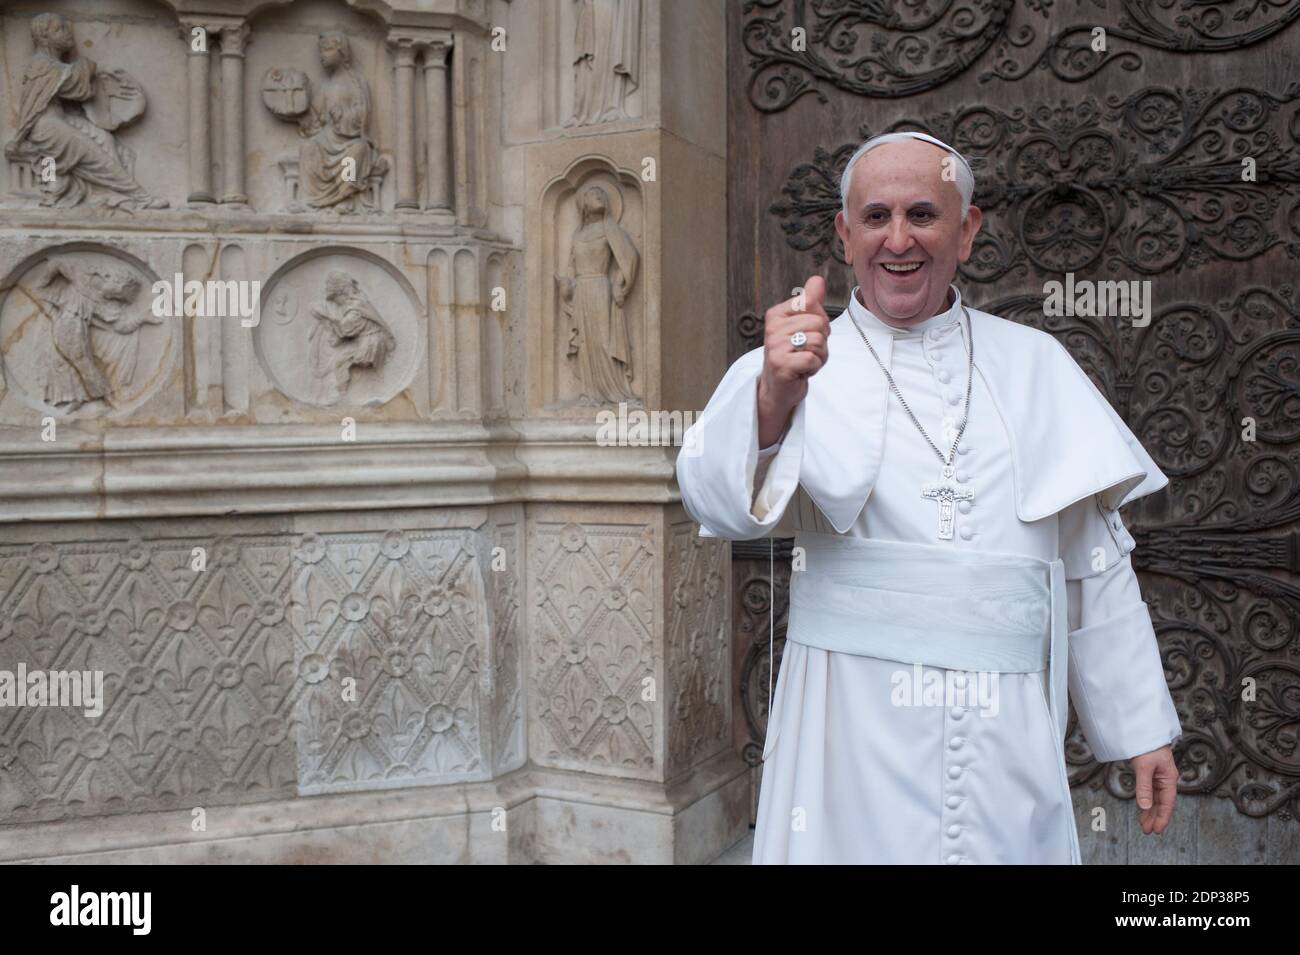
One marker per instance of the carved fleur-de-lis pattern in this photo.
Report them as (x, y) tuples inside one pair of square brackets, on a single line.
[(395, 671), (593, 647), (698, 666), (510, 738), (182, 722), (227, 684)]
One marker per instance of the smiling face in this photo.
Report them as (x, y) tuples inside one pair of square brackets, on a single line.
[(904, 214)]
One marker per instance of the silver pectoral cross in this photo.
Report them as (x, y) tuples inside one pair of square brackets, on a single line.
[(946, 492)]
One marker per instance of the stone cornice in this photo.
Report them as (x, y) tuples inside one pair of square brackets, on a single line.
[(447, 14), (218, 222), (219, 470)]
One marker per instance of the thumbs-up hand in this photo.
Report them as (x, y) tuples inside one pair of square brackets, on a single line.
[(783, 382)]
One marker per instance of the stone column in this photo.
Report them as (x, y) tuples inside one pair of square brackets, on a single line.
[(467, 124), (233, 38), (659, 722), (438, 175), (198, 66), (404, 120)]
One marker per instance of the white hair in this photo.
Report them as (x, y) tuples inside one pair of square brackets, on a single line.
[(965, 180)]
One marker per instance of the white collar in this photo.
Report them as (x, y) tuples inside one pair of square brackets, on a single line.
[(868, 319)]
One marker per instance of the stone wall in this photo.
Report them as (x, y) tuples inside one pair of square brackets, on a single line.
[(337, 528)]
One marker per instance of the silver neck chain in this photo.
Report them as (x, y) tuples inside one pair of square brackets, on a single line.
[(970, 368)]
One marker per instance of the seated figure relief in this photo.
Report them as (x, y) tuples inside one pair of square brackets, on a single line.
[(338, 165), (349, 333), (67, 115)]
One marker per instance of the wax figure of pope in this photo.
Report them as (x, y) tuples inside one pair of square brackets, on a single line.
[(952, 480)]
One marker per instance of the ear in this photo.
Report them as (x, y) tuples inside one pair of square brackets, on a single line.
[(842, 229), (969, 229)]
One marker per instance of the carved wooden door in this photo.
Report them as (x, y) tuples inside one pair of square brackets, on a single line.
[(1171, 155)]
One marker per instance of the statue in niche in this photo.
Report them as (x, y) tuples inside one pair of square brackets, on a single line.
[(349, 333), (337, 161), (593, 304), (93, 326), (606, 60), (67, 114)]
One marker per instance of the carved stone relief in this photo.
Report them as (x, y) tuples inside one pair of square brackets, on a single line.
[(68, 112), (199, 676), (606, 60), (403, 615), (598, 346), (227, 683), (509, 742), (697, 661), (349, 333), (339, 328), (77, 334), (593, 645), (596, 312), (337, 166), (66, 116)]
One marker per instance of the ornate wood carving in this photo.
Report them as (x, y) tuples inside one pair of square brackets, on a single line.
[(1150, 183), (1219, 555), (875, 49), (1113, 180), (761, 615), (880, 50), (1203, 27)]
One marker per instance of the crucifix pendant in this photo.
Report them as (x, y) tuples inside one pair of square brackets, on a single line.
[(946, 492)]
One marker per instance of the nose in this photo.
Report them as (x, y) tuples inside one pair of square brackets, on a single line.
[(899, 239)]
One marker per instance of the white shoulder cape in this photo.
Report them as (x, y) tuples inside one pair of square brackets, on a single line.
[(1067, 442)]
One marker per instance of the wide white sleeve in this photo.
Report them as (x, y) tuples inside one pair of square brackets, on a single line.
[(1117, 681), (718, 467)]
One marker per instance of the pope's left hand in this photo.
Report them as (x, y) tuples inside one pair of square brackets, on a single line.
[(1157, 786)]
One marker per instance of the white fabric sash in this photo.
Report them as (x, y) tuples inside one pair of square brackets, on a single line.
[(937, 606)]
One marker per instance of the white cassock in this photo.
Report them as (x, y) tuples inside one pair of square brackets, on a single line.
[(863, 763)]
